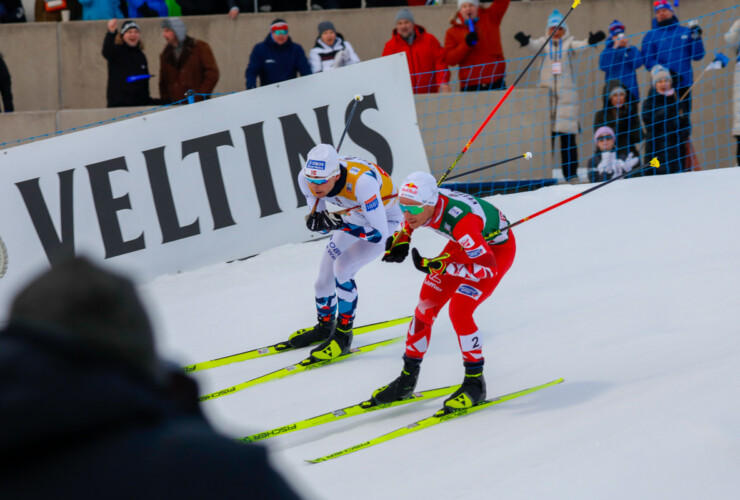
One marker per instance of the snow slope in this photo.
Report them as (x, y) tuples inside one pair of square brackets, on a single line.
[(630, 293)]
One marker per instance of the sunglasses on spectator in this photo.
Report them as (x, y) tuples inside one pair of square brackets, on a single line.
[(412, 209), (605, 138), (317, 181), (281, 32)]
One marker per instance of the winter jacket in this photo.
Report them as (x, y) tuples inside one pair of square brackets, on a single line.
[(621, 64), (147, 8), (732, 38), (667, 129), (425, 57), (125, 61), (673, 46), (323, 58), (101, 9), (12, 12), (195, 69), (42, 15), (624, 121), (82, 423), (487, 56), (274, 63), (564, 100), (5, 87)]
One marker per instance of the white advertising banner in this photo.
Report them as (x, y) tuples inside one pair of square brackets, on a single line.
[(200, 184)]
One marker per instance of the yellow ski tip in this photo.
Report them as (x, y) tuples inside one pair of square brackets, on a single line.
[(654, 163), (576, 3)]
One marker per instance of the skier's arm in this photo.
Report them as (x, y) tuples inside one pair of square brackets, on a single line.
[(375, 228), (474, 260)]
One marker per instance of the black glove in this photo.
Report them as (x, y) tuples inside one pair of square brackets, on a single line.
[(397, 252), (323, 221), (522, 39), (594, 38), (696, 30), (471, 38), (436, 265)]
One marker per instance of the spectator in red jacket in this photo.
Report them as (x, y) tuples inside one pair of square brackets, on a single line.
[(474, 43), (425, 55)]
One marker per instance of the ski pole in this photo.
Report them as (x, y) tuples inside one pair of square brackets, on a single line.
[(527, 156), (576, 3), (357, 98), (653, 163)]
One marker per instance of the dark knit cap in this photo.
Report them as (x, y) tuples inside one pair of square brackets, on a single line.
[(326, 25), (79, 300), (129, 24)]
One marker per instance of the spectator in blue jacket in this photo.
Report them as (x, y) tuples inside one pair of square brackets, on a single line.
[(620, 60), (673, 46), (101, 9), (277, 58), (147, 8)]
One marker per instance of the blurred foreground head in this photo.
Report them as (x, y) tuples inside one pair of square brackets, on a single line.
[(81, 301)]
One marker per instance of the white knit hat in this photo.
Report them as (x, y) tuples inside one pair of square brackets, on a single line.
[(322, 162), (460, 2), (420, 187)]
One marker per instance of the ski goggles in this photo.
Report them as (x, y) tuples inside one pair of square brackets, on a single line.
[(412, 209), (317, 181), (280, 32), (605, 138)]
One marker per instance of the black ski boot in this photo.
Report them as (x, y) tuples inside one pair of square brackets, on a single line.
[(402, 387), (307, 336), (337, 344), (471, 392)]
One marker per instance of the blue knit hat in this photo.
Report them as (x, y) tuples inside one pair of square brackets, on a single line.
[(663, 4), (616, 28), (555, 19)]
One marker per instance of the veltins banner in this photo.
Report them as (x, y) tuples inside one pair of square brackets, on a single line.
[(199, 184)]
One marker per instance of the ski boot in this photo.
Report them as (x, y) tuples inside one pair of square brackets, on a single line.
[(401, 387), (307, 336), (471, 392), (336, 345)]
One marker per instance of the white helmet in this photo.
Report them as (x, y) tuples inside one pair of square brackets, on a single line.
[(420, 187), (322, 162)]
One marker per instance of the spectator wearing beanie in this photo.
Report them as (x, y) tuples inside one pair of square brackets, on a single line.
[(674, 47), (185, 64), (276, 59), (473, 42), (558, 75), (80, 341), (620, 60), (667, 128), (621, 117), (331, 50), (424, 54), (607, 161), (128, 69)]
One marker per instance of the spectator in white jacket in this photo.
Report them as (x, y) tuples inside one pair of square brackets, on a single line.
[(331, 50)]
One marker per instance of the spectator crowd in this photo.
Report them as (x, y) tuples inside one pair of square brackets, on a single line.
[(659, 124)]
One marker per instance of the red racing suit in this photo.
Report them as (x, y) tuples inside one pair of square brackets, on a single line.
[(473, 269)]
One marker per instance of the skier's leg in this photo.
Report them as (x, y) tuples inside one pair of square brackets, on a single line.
[(351, 255)]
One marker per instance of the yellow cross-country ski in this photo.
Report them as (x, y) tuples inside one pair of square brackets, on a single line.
[(284, 346), (349, 411), (437, 418), (306, 364)]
